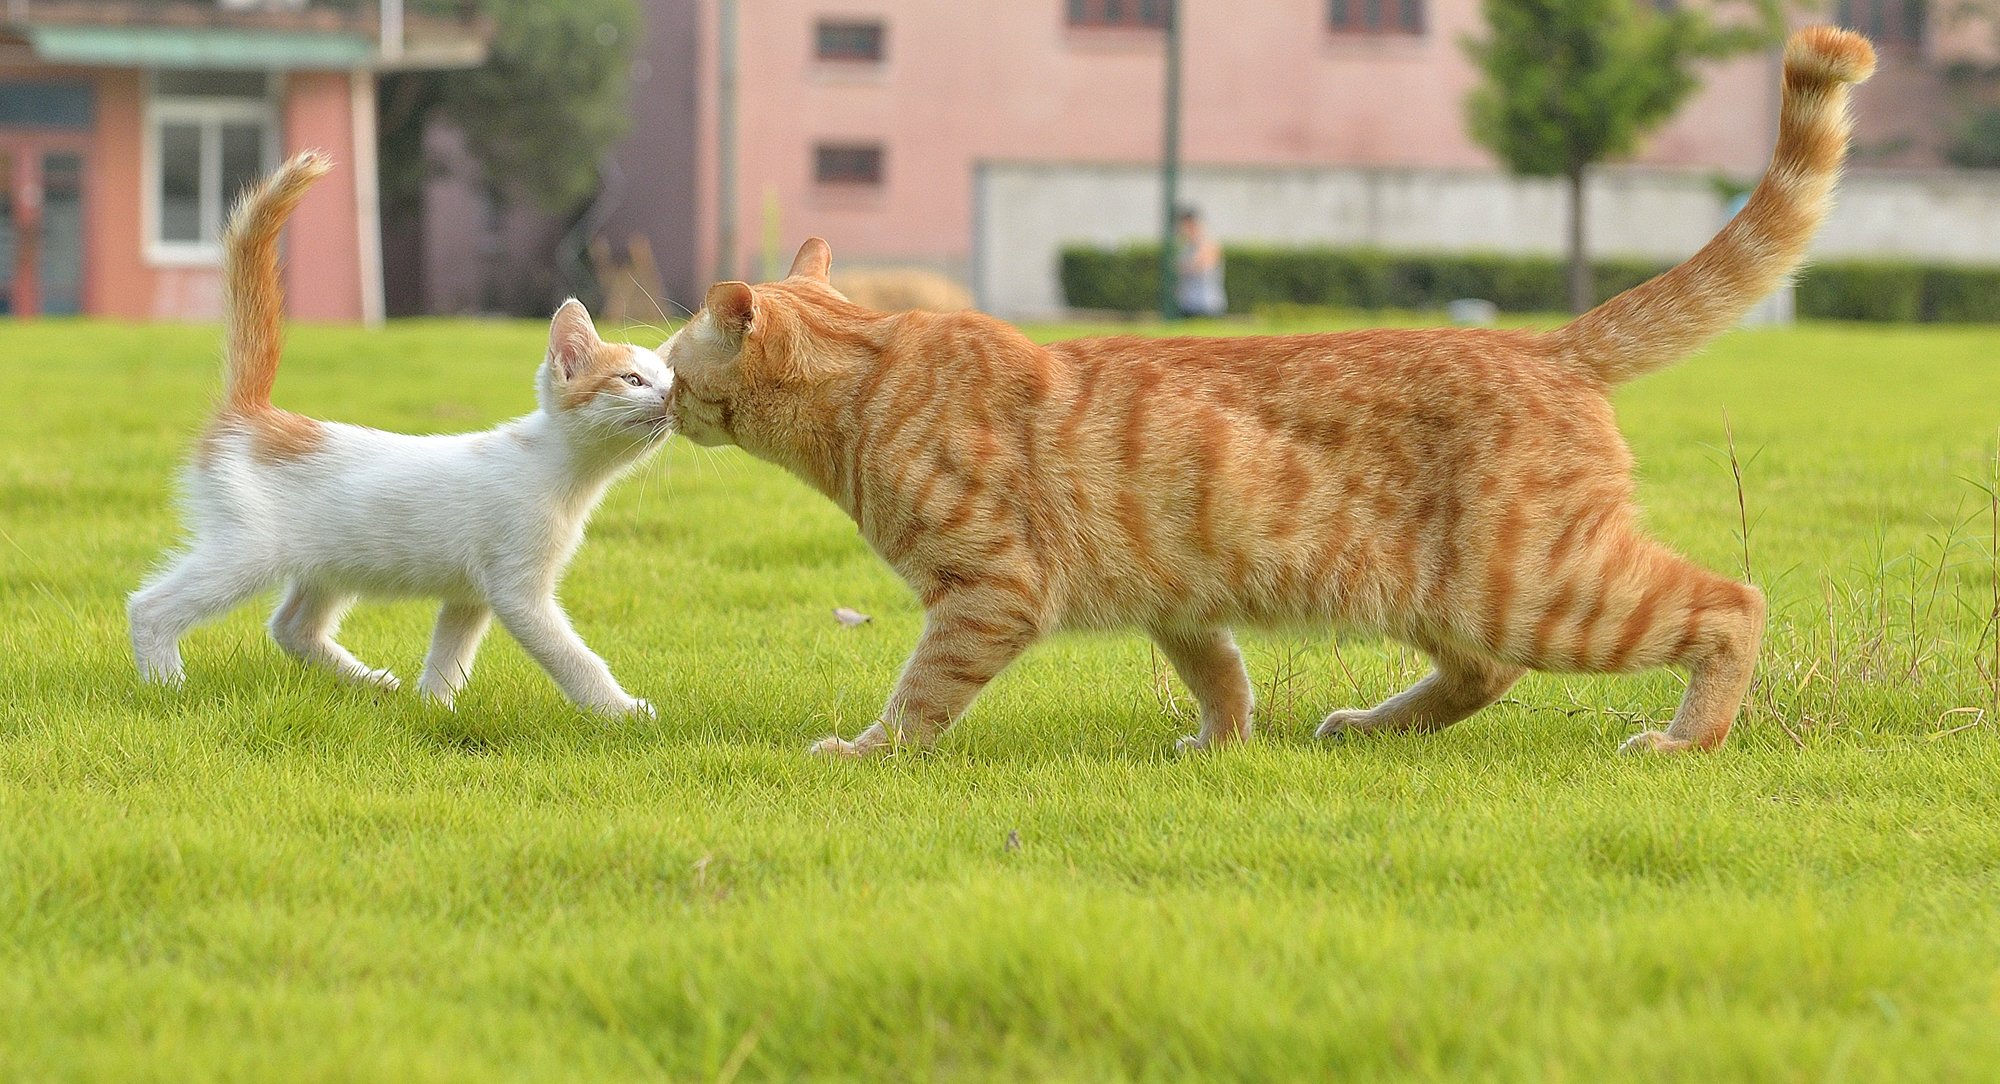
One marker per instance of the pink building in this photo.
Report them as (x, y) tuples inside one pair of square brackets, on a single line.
[(865, 120), (127, 128)]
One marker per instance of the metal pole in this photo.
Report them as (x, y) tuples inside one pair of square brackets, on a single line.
[(1170, 164), (725, 148), (392, 29)]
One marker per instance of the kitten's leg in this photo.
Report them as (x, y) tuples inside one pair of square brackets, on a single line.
[(200, 586), (967, 640), (544, 631), (304, 624), (454, 644), (1460, 685), (1207, 660)]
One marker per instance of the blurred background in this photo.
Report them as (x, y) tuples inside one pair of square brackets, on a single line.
[(1021, 155)]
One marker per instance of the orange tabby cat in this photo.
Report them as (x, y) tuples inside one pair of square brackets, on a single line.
[(1466, 491)]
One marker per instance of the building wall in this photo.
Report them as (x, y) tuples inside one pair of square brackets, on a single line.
[(323, 271), (1029, 212), (653, 189), (324, 251), (1265, 83)]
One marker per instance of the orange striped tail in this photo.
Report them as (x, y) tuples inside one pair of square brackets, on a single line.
[(1667, 318)]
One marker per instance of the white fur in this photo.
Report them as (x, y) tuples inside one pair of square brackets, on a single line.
[(486, 522)]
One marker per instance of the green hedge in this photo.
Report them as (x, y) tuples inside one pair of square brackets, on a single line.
[(1128, 280)]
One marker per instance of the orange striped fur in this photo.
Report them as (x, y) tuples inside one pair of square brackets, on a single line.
[(1466, 491)]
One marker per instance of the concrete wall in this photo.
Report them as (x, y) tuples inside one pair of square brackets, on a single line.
[(1028, 212), (1266, 83)]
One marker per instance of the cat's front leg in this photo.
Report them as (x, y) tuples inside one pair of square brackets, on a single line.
[(544, 632), (964, 646), (454, 644), (1208, 661)]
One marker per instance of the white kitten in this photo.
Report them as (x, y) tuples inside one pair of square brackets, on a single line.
[(484, 521)]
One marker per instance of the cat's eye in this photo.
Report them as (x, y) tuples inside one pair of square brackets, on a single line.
[(634, 380)]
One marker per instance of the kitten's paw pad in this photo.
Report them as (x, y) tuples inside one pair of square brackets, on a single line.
[(1653, 741), (1340, 724)]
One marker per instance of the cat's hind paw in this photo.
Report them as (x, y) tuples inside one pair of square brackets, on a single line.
[(1654, 741), (1338, 725)]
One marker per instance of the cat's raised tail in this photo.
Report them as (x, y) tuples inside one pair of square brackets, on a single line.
[(256, 296), (1667, 318)]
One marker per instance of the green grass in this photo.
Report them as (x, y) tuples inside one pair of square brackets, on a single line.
[(272, 876)]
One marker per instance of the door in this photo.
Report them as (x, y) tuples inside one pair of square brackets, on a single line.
[(41, 228)]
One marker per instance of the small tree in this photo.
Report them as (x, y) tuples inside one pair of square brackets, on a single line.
[(1569, 83), (539, 116)]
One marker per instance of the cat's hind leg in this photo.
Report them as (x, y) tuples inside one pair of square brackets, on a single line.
[(1207, 660), (454, 644), (304, 624), (200, 586), (1637, 606), (1461, 684)]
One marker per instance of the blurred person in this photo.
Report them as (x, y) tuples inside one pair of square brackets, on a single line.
[(1198, 269)]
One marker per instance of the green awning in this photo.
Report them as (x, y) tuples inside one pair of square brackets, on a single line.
[(206, 48)]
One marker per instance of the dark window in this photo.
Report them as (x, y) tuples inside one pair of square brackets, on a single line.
[(848, 40), (848, 163), (1376, 16), (1139, 14), (1888, 22), (45, 105)]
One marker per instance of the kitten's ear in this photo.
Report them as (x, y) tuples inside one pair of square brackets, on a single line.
[(572, 339), (733, 307), (814, 261)]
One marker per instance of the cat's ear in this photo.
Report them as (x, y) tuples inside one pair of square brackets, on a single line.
[(573, 339), (733, 307), (814, 261)]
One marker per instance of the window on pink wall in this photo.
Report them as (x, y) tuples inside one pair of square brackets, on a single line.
[(1136, 14), (854, 165), (1375, 16), (849, 41)]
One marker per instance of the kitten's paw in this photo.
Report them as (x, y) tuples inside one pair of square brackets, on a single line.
[(641, 709), (1654, 741), (171, 678), (1340, 724), (379, 679), (436, 696), (1190, 744)]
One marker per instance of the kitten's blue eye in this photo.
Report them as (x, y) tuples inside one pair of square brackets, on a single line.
[(634, 380)]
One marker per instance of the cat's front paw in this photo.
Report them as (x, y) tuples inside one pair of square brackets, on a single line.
[(870, 742), (1654, 741), (379, 679), (641, 709)]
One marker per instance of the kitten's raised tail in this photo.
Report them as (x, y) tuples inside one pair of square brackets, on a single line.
[(256, 296), (1667, 318)]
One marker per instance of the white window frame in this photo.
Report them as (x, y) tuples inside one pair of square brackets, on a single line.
[(209, 115)]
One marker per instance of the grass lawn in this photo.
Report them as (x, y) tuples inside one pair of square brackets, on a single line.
[(272, 876)]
